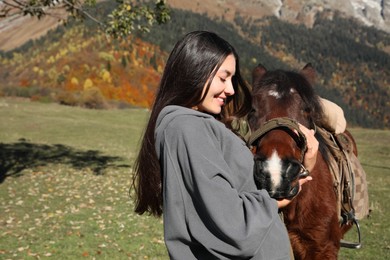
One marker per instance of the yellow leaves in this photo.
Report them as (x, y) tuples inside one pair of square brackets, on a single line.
[(108, 208), (73, 48), (106, 76), (9, 220), (102, 245), (160, 68), (66, 68), (86, 68), (51, 60), (20, 249), (52, 74), (106, 56), (63, 52), (88, 84), (38, 71), (73, 209), (74, 81), (17, 57), (157, 240)]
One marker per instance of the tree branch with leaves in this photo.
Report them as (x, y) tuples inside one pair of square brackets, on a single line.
[(127, 17)]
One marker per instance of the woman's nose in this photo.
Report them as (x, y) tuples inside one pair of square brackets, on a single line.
[(229, 90)]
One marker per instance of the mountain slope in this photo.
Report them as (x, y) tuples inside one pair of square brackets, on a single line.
[(16, 30), (352, 70)]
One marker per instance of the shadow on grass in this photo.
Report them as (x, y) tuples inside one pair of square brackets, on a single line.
[(16, 157)]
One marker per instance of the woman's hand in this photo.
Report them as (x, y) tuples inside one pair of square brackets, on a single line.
[(284, 202), (312, 148)]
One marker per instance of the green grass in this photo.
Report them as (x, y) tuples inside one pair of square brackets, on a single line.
[(67, 193), (374, 155)]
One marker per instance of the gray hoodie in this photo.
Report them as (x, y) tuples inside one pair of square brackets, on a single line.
[(212, 209)]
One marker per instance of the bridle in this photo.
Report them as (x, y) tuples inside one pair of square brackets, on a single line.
[(291, 127)]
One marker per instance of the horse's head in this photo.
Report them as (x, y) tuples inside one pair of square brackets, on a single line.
[(281, 100)]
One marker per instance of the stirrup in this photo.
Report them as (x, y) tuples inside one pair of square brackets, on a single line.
[(352, 245)]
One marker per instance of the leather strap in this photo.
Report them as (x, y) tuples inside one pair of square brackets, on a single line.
[(285, 123)]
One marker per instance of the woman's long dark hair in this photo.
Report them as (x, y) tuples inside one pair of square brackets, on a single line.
[(193, 61)]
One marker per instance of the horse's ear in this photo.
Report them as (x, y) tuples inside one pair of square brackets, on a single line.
[(258, 72), (309, 73)]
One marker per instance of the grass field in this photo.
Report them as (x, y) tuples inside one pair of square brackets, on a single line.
[(66, 177)]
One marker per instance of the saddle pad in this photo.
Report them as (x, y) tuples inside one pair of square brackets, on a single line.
[(349, 175), (360, 198)]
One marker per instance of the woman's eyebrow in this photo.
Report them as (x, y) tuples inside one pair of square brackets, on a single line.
[(227, 72)]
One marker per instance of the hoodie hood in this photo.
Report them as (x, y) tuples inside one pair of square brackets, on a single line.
[(168, 113)]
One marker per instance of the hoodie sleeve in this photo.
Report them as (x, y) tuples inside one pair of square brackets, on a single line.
[(229, 223)]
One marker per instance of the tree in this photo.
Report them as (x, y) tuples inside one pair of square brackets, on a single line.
[(127, 16)]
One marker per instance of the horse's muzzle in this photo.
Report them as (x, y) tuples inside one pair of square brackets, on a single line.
[(288, 185)]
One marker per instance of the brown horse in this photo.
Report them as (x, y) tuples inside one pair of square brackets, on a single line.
[(280, 100)]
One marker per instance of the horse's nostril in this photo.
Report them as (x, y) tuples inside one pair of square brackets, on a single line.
[(303, 173), (292, 170)]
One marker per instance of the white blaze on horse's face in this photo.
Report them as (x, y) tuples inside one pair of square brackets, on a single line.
[(274, 167), (276, 94)]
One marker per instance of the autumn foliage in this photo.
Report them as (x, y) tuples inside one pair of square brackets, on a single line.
[(93, 72)]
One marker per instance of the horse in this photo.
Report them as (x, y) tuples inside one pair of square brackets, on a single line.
[(280, 101)]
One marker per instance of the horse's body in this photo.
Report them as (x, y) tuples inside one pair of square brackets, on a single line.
[(312, 218)]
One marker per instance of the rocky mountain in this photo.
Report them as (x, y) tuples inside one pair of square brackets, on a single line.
[(374, 13)]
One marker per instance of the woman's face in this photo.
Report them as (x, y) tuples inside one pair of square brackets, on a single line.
[(221, 87)]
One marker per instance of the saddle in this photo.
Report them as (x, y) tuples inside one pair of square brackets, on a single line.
[(349, 179)]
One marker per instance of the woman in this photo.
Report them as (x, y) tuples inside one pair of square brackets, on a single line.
[(194, 168)]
